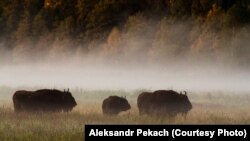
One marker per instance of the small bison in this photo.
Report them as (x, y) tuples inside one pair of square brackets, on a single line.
[(113, 105), (44, 100), (163, 102)]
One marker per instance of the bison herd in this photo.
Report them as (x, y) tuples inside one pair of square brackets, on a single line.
[(157, 103)]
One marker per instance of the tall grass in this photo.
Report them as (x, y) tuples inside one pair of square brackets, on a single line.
[(218, 108)]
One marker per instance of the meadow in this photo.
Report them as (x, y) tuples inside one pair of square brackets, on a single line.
[(208, 108)]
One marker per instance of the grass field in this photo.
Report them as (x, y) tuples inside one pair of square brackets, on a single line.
[(208, 108)]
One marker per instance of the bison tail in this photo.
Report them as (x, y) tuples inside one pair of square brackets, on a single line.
[(17, 107)]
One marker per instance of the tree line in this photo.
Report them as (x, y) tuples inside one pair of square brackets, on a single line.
[(172, 26)]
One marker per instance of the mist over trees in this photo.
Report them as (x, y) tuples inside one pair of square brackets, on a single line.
[(159, 29)]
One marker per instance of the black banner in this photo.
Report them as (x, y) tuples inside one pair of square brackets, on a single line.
[(166, 132)]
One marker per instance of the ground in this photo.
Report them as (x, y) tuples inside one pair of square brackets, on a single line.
[(208, 108)]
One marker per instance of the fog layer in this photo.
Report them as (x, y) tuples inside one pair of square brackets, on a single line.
[(126, 77)]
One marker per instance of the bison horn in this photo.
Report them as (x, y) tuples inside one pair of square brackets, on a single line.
[(185, 92), (68, 89)]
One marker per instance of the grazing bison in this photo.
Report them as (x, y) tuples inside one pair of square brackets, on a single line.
[(163, 102), (113, 105), (44, 100)]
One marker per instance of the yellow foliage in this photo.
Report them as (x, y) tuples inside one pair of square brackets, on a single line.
[(52, 3), (114, 37), (113, 41), (214, 12)]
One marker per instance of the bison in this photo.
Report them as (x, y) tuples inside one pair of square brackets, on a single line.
[(43, 100), (163, 102), (113, 105)]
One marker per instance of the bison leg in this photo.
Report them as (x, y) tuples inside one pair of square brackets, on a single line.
[(184, 115), (142, 111)]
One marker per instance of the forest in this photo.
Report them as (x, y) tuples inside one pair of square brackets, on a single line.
[(160, 29)]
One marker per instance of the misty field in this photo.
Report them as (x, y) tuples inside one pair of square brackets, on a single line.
[(208, 108)]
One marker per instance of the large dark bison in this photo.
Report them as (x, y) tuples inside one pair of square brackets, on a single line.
[(113, 105), (163, 102), (44, 100)]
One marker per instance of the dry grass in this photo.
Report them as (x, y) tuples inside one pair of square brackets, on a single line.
[(207, 109)]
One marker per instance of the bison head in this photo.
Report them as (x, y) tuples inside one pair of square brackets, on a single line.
[(185, 104), (69, 101), (123, 104)]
